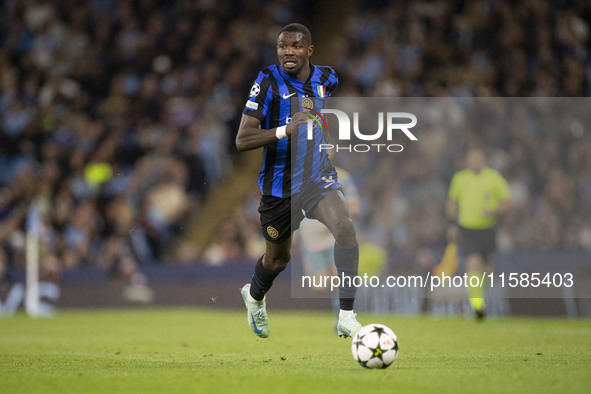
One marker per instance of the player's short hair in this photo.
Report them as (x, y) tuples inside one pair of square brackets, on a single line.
[(297, 28)]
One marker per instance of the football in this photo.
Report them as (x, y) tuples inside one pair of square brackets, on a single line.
[(375, 346)]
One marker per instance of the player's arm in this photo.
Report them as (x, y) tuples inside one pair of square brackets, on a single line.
[(502, 208), (451, 205), (251, 136), (504, 197), (504, 194), (451, 210)]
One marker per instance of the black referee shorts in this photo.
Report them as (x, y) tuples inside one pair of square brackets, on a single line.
[(481, 242)]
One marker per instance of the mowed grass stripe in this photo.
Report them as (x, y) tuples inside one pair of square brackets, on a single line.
[(209, 351)]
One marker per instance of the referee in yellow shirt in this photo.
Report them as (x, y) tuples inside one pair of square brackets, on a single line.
[(477, 196)]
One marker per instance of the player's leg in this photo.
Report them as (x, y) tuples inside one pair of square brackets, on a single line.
[(477, 246), (275, 260), (332, 211), (482, 264), (276, 225), (475, 267), (270, 265)]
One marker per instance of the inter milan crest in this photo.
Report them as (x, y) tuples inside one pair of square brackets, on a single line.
[(273, 233), (307, 103)]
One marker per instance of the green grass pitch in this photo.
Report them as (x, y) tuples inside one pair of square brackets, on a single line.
[(213, 351)]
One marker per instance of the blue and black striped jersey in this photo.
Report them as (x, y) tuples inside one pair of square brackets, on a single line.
[(290, 163)]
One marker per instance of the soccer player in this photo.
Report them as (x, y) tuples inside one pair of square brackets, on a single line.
[(477, 196), (296, 177)]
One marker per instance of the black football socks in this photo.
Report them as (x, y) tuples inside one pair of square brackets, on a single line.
[(346, 261), (262, 280)]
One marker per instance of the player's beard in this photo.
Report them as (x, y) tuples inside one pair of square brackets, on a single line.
[(294, 71)]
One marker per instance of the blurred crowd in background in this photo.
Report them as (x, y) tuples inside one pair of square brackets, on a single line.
[(474, 49), (118, 117)]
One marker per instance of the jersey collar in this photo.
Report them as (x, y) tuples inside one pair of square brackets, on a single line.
[(296, 81)]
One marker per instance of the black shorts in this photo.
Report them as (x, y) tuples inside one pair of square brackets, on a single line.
[(481, 242), (280, 217)]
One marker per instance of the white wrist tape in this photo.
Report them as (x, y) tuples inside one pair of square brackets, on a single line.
[(280, 132)]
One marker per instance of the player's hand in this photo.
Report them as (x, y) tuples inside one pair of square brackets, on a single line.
[(297, 119)]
